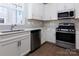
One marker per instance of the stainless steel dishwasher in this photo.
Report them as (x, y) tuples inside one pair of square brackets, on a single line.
[(35, 39)]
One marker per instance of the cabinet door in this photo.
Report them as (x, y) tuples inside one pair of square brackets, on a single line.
[(65, 7), (50, 35), (69, 6), (76, 10), (46, 11), (37, 11), (9, 49), (53, 11), (60, 7), (50, 11), (43, 35), (41, 6), (77, 40), (25, 45), (33, 10)]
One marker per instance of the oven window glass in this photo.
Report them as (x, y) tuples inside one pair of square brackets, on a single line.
[(67, 37)]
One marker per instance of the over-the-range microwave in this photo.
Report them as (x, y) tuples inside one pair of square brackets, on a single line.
[(66, 15)]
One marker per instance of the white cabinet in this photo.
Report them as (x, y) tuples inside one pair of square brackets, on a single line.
[(69, 6), (50, 11), (46, 11), (77, 40), (65, 7), (9, 49), (43, 35), (76, 10), (15, 44), (25, 46), (49, 35), (34, 11), (53, 11), (60, 7), (37, 11)]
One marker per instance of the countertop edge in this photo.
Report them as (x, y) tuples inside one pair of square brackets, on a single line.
[(27, 29)]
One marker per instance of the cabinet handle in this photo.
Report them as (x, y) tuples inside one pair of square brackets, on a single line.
[(19, 43)]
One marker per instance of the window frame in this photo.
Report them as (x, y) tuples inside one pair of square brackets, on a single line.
[(9, 6)]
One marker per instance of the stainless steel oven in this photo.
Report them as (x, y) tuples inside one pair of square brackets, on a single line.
[(65, 35)]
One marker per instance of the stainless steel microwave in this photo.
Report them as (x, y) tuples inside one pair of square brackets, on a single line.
[(66, 15)]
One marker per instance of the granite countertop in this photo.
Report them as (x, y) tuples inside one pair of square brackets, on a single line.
[(27, 29)]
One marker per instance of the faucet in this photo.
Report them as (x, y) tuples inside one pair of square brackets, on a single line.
[(12, 26)]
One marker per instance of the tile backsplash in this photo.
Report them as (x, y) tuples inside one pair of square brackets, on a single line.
[(5, 27), (37, 24), (33, 24), (53, 24), (28, 24)]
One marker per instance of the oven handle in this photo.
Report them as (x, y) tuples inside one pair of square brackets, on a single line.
[(65, 32)]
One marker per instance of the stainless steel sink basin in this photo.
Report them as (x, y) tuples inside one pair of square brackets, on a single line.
[(11, 31)]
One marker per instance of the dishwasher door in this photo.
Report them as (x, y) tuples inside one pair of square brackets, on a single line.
[(35, 39)]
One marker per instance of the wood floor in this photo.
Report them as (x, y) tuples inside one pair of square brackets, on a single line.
[(49, 49)]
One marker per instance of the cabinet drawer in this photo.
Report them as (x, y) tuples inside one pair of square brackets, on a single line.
[(16, 39), (13, 35)]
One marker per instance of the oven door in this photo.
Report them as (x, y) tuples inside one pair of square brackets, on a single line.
[(66, 37)]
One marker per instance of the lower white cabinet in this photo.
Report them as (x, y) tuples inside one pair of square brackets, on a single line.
[(49, 35), (77, 40), (43, 36), (9, 49), (17, 44), (25, 46)]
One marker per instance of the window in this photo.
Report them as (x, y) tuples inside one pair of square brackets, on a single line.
[(3, 14), (19, 14), (11, 13)]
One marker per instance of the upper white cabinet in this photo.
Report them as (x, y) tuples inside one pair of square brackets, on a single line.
[(76, 10), (65, 7), (53, 11), (60, 7), (50, 11), (69, 6), (34, 11), (46, 12)]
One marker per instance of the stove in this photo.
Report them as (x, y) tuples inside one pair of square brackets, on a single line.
[(65, 35), (66, 27)]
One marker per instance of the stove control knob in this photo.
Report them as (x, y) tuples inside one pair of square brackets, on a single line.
[(73, 30), (70, 30)]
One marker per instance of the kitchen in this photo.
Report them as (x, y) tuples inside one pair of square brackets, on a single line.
[(23, 23)]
